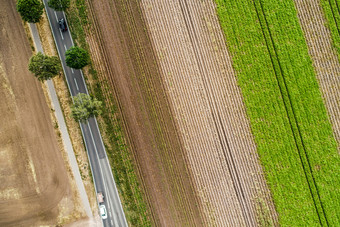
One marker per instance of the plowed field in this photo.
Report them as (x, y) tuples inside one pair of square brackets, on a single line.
[(167, 64), (208, 108), (35, 188), (127, 69)]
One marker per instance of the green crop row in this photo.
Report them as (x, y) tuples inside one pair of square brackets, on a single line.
[(331, 9), (123, 169), (288, 118)]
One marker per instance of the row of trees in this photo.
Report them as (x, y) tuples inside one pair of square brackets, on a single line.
[(46, 67), (32, 10)]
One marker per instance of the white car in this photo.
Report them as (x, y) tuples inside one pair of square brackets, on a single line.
[(102, 211)]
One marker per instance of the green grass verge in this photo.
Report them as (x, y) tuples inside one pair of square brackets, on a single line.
[(124, 171), (288, 118), (331, 11)]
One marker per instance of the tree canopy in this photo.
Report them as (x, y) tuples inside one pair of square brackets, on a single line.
[(30, 10), (44, 67), (77, 57), (85, 106), (59, 5)]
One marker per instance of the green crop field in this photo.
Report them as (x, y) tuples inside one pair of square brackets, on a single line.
[(332, 13), (286, 110)]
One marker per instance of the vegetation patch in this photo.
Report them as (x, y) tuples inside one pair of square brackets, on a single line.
[(44, 67), (288, 117), (331, 10), (76, 24), (30, 10)]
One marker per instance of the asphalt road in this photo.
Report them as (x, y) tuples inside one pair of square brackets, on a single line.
[(101, 170)]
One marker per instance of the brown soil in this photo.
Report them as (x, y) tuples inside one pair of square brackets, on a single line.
[(35, 188), (182, 110), (324, 56)]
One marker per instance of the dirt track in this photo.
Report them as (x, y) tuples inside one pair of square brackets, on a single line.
[(35, 188), (324, 56), (183, 111)]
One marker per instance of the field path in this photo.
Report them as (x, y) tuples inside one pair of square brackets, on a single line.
[(324, 56), (209, 112)]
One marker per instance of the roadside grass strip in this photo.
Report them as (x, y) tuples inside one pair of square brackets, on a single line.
[(331, 10), (287, 114)]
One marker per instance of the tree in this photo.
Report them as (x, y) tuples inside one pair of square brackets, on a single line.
[(59, 5), (77, 57), (44, 67), (30, 10), (85, 106)]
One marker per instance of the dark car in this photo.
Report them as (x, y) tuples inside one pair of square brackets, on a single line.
[(62, 25)]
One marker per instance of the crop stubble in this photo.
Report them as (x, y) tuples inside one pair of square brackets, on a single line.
[(208, 109)]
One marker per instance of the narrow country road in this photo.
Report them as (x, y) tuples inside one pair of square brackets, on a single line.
[(101, 169)]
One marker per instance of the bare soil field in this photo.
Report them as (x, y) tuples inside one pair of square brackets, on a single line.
[(209, 112), (35, 188), (167, 65), (324, 56)]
